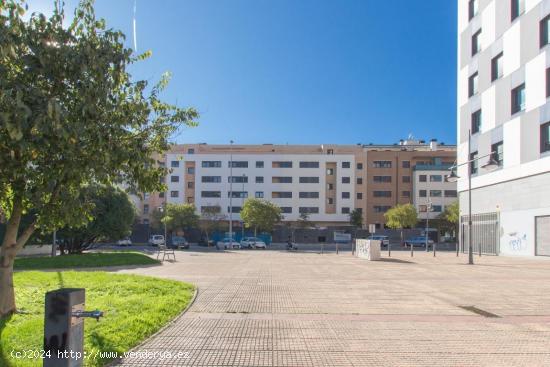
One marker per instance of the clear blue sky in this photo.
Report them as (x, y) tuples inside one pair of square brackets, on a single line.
[(299, 71)]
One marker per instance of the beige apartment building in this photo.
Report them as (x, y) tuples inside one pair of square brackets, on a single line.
[(325, 181)]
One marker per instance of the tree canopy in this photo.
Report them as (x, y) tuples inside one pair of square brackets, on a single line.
[(70, 115), (356, 218), (401, 216), (260, 214), (180, 217)]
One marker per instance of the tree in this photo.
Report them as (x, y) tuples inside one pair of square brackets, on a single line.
[(260, 214), (401, 216), (180, 217), (449, 219), (356, 218), (303, 220), (70, 114), (113, 216), (211, 219)]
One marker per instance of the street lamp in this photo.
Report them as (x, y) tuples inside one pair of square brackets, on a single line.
[(453, 177), (162, 210), (231, 190), (242, 222)]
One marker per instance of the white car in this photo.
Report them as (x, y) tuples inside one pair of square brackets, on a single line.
[(252, 242), (156, 239), (384, 240), (229, 243), (124, 242)]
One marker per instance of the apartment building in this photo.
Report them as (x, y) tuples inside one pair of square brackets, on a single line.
[(432, 193), (503, 90), (325, 181)]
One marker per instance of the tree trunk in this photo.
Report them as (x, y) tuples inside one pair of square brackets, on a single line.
[(7, 258)]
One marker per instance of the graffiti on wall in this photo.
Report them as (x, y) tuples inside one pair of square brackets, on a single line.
[(517, 242)]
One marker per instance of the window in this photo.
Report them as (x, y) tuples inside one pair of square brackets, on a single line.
[(281, 194), (435, 193), (518, 99), (359, 196), (406, 164), (382, 164), (174, 178), (359, 166), (382, 194), (308, 210), (161, 164), (309, 164), (330, 186), (190, 151), (209, 179), (476, 122), (406, 194), (238, 194), (422, 193), (472, 9), (175, 164), (423, 178), (498, 152), (345, 210), (545, 31), (191, 170), (259, 179), (381, 208), (145, 208), (547, 82), (518, 8), (436, 178), (476, 46), (235, 209), (286, 209), (346, 165), (330, 171), (190, 185), (330, 151), (345, 195), (238, 164), (211, 164), (346, 180), (422, 208), (309, 195), (190, 199), (211, 194), (145, 221), (281, 164), (382, 179), (259, 195), (210, 208), (161, 195), (174, 194), (330, 201), (450, 193), (281, 180), (472, 84), (496, 67), (259, 164), (309, 179), (474, 163), (406, 179), (237, 179), (359, 181), (437, 208), (545, 137)]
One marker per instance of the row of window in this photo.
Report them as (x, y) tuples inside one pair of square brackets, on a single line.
[(388, 179), (284, 209), (274, 194), (437, 193), (274, 164), (260, 179), (433, 178), (497, 155), (517, 7)]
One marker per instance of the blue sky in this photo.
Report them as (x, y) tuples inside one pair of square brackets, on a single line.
[(299, 71)]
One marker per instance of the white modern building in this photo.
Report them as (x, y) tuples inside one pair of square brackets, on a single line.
[(503, 90)]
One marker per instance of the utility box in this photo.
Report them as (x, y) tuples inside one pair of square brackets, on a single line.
[(368, 249), (63, 332)]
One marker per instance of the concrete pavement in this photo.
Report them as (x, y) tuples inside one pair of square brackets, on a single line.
[(274, 308)]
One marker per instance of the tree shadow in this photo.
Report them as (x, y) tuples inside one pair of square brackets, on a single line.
[(4, 361)]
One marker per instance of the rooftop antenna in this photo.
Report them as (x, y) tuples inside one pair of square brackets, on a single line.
[(135, 35)]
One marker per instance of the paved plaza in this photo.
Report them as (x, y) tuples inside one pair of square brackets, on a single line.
[(275, 308)]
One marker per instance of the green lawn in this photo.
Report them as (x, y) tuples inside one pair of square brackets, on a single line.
[(135, 307), (86, 260)]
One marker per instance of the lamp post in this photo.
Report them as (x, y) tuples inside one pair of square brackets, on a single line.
[(231, 190), (453, 177), (242, 222), (428, 209)]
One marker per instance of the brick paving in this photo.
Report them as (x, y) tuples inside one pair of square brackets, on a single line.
[(273, 308)]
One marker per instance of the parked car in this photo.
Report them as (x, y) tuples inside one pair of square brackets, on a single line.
[(204, 242), (384, 240), (253, 242), (418, 241), (124, 242), (229, 243), (180, 242), (156, 239)]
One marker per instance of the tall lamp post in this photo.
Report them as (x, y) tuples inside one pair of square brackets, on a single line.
[(243, 196), (453, 177), (231, 190)]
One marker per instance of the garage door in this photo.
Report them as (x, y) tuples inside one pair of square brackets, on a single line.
[(543, 236)]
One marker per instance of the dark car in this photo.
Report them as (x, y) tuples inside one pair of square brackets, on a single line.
[(418, 241), (204, 242), (180, 242)]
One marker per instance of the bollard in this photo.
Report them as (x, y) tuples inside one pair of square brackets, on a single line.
[(412, 250), (435, 244), (64, 327), (389, 249)]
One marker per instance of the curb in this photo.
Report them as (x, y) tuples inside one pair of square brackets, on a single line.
[(114, 362)]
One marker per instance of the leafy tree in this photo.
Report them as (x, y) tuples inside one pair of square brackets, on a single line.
[(303, 220), (70, 114), (211, 219), (356, 218), (449, 219), (401, 216), (113, 216), (260, 214), (180, 217)]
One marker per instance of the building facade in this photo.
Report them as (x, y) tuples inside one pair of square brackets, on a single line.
[(503, 90), (325, 181)]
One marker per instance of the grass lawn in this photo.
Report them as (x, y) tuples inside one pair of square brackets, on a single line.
[(86, 260), (135, 307)]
